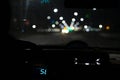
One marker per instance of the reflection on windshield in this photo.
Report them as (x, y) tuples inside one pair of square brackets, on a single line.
[(49, 22)]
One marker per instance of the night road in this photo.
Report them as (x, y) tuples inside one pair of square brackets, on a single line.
[(90, 22), (62, 39), (93, 39)]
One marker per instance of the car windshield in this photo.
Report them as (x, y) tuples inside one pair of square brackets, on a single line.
[(58, 22)]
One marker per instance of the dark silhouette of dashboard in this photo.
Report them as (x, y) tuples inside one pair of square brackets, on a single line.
[(56, 63)]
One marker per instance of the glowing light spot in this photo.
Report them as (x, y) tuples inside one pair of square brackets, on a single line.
[(76, 62), (75, 13), (98, 60), (73, 19), (100, 26), (76, 59), (94, 9), (65, 24), (63, 21), (56, 22), (48, 17), (65, 31), (72, 28), (34, 26), (55, 10), (53, 25), (81, 19), (61, 18), (85, 26), (107, 27), (87, 30), (98, 63), (87, 64)]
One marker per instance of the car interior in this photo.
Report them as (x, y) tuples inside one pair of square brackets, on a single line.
[(43, 53)]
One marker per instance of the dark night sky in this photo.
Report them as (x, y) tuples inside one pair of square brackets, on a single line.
[(37, 12)]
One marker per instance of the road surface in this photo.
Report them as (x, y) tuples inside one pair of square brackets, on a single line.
[(93, 39)]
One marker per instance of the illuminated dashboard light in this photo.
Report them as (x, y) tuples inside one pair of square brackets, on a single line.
[(53, 25), (73, 19), (81, 19), (48, 17), (75, 13), (43, 71), (55, 10), (87, 64), (34, 26), (61, 18)]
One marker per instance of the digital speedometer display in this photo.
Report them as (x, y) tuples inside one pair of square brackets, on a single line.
[(40, 72)]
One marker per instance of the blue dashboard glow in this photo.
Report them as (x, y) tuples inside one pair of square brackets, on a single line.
[(43, 71)]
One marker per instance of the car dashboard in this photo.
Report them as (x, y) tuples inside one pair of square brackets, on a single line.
[(60, 64)]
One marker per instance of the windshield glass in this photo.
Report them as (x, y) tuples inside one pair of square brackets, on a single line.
[(57, 22)]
